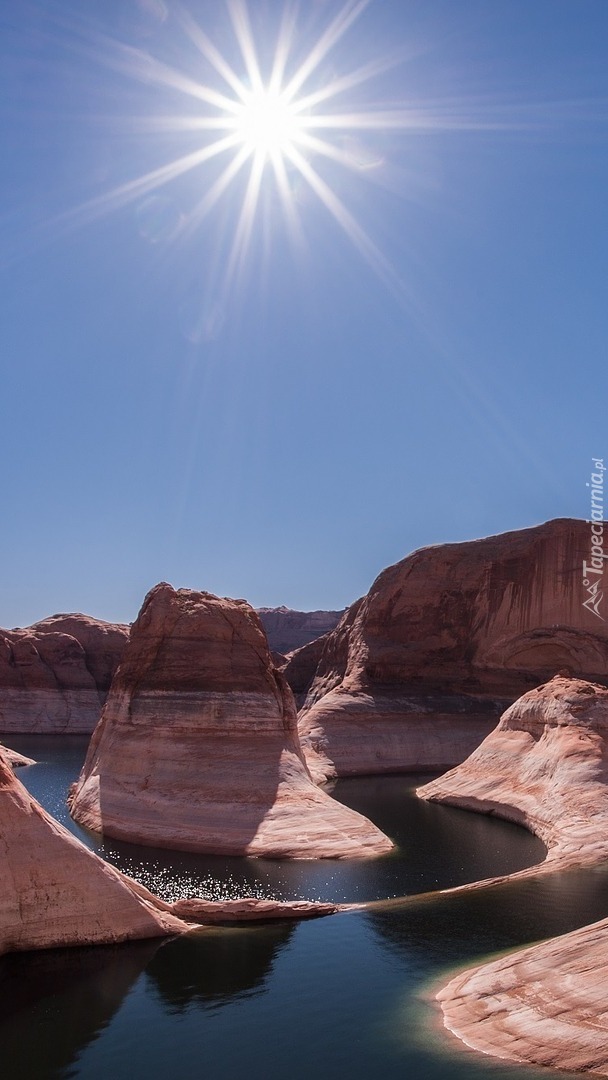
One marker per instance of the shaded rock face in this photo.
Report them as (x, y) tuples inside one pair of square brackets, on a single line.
[(55, 674), (55, 892), (546, 767), (417, 673), (197, 747), (287, 630)]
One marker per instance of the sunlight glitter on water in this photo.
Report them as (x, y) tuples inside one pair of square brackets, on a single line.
[(170, 885)]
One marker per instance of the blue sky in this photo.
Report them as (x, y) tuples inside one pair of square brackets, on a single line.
[(284, 431)]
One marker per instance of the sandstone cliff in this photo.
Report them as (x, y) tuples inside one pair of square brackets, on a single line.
[(197, 747), (287, 630), (55, 674), (418, 672)]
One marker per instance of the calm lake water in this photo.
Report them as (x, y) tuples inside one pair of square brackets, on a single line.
[(350, 995)]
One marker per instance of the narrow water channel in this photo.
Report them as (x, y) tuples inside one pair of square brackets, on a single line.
[(348, 995)]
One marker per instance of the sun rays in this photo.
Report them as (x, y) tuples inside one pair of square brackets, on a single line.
[(282, 124)]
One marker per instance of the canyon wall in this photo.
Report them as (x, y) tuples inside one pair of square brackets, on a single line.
[(418, 672)]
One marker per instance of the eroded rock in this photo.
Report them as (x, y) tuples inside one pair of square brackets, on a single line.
[(418, 672), (546, 767), (55, 892), (197, 748), (55, 674)]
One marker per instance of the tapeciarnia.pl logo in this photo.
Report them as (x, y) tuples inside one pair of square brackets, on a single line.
[(594, 569)]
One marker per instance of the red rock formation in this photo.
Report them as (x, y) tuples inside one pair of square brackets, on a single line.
[(14, 759), (299, 667), (55, 674), (546, 767), (544, 1005), (250, 909), (287, 630), (55, 892), (197, 747), (417, 673)]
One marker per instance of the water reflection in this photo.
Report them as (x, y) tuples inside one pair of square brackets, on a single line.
[(215, 966), (457, 927), (56, 1002)]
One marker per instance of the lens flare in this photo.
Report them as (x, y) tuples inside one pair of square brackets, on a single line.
[(267, 124)]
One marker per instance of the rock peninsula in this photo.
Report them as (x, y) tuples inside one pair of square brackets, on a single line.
[(197, 747), (546, 767), (544, 1005)]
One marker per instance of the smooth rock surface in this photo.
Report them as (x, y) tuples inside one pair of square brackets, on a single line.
[(287, 630), (545, 767), (55, 892), (14, 759), (55, 674), (417, 673), (250, 909), (544, 1005), (197, 747)]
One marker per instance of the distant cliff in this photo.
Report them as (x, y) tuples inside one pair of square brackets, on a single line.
[(55, 675), (287, 630)]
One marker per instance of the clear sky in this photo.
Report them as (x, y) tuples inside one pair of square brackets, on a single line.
[(387, 328)]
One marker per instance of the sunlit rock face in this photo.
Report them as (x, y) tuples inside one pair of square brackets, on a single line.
[(546, 767), (418, 672), (55, 674), (55, 892), (197, 747), (544, 1005), (287, 630), (15, 759)]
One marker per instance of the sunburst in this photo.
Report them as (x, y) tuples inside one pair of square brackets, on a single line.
[(263, 126), (266, 126)]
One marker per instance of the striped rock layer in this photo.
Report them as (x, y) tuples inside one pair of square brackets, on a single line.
[(197, 747)]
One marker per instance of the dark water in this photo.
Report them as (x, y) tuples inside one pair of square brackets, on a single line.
[(348, 995)]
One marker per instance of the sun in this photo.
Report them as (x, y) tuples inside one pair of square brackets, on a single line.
[(286, 126), (268, 125)]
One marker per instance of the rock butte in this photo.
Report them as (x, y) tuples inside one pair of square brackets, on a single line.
[(545, 766), (197, 746), (417, 673), (55, 674)]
